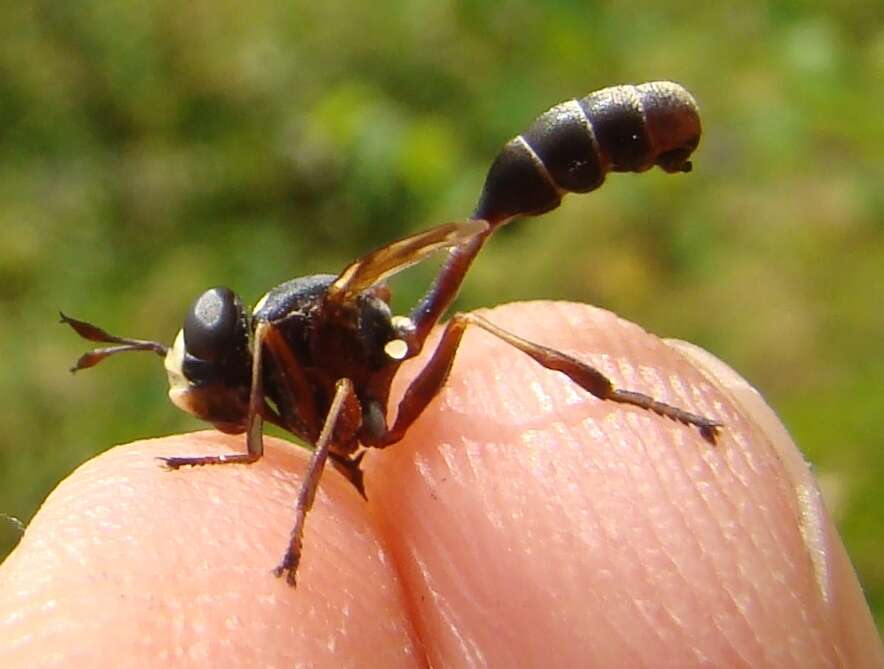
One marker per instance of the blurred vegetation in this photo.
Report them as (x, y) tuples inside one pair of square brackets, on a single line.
[(150, 150)]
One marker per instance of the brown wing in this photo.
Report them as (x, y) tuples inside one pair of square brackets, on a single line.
[(399, 255)]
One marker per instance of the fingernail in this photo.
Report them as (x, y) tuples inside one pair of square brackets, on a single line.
[(816, 529)]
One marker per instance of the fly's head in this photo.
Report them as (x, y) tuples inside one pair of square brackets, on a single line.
[(209, 363)]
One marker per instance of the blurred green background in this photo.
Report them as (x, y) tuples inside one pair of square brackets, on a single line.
[(150, 150)]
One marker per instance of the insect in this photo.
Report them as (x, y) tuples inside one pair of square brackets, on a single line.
[(317, 354)]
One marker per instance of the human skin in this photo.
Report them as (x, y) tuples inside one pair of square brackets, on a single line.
[(521, 522)]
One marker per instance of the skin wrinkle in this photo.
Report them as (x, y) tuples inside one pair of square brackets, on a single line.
[(328, 537), (409, 602), (439, 548), (795, 467), (475, 454), (760, 551), (627, 640), (593, 527), (647, 377), (677, 567), (475, 462), (528, 543), (345, 559), (512, 634), (735, 479), (753, 538), (492, 376), (423, 467), (802, 606), (679, 516), (752, 468), (542, 398), (509, 397), (687, 486), (680, 390), (676, 510), (769, 524), (530, 403), (654, 385)]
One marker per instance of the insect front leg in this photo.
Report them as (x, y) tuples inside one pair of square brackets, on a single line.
[(289, 563), (254, 420)]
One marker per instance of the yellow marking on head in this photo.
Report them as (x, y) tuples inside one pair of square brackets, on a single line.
[(179, 386)]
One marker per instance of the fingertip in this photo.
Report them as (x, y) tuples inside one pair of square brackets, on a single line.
[(128, 562), (843, 606), (516, 506), (523, 512)]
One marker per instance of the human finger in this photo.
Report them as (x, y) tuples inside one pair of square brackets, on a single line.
[(129, 564), (535, 525)]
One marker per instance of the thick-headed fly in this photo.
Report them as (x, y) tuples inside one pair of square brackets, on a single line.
[(317, 355)]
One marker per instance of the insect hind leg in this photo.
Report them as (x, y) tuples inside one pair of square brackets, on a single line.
[(593, 381)]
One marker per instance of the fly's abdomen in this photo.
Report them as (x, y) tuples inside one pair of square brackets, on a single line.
[(571, 147)]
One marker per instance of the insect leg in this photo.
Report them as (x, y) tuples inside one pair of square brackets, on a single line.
[(427, 383), (445, 287), (432, 377), (289, 563), (254, 420), (593, 381)]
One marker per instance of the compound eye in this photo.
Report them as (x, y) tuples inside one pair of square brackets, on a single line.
[(215, 325)]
